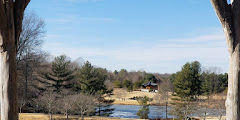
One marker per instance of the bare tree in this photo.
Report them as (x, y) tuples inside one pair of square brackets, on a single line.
[(28, 51), (183, 109), (33, 30), (164, 88), (84, 104), (66, 104), (48, 100), (203, 105), (11, 15), (27, 74), (218, 104), (229, 16)]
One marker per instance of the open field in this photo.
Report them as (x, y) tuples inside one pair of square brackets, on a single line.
[(122, 97), (215, 118), (40, 116)]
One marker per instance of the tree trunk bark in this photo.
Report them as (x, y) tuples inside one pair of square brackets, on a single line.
[(50, 115), (11, 15), (8, 84), (166, 108), (232, 102), (67, 114), (229, 16), (82, 117)]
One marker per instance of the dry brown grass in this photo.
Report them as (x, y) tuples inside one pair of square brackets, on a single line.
[(125, 99), (40, 116)]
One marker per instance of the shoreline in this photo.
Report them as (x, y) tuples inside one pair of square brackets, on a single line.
[(42, 116)]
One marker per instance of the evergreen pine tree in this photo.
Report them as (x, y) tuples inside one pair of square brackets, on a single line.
[(182, 82), (60, 75), (92, 81), (187, 82), (196, 82), (206, 86)]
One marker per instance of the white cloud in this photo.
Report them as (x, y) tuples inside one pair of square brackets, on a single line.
[(157, 57), (204, 38)]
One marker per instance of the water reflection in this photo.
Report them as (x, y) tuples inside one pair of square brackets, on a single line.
[(129, 111)]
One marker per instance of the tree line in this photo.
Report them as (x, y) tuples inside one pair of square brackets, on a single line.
[(133, 80), (191, 83), (193, 80), (60, 85)]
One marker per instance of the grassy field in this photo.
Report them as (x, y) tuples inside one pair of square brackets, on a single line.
[(122, 97), (40, 116)]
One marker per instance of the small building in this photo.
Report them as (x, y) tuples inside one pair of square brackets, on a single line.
[(150, 87)]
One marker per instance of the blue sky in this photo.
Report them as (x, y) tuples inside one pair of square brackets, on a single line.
[(152, 35)]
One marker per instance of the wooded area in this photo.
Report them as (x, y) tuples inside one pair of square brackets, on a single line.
[(45, 84)]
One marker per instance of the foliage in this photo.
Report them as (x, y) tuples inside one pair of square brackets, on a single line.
[(172, 79), (60, 75), (144, 111), (206, 86), (115, 72), (187, 82), (122, 74), (150, 77), (213, 82), (90, 79), (128, 84), (195, 73), (138, 84), (118, 84)]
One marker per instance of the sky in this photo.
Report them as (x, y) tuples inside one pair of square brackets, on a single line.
[(157, 36)]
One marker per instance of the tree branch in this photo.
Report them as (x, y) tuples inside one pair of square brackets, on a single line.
[(19, 7), (224, 13)]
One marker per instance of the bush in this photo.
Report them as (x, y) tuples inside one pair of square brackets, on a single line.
[(127, 84), (138, 84), (118, 84)]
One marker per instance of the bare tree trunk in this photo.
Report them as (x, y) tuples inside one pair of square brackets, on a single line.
[(82, 117), (229, 16), (67, 114), (50, 115), (166, 108), (11, 15)]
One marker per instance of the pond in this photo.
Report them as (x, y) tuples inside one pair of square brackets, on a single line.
[(129, 111)]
